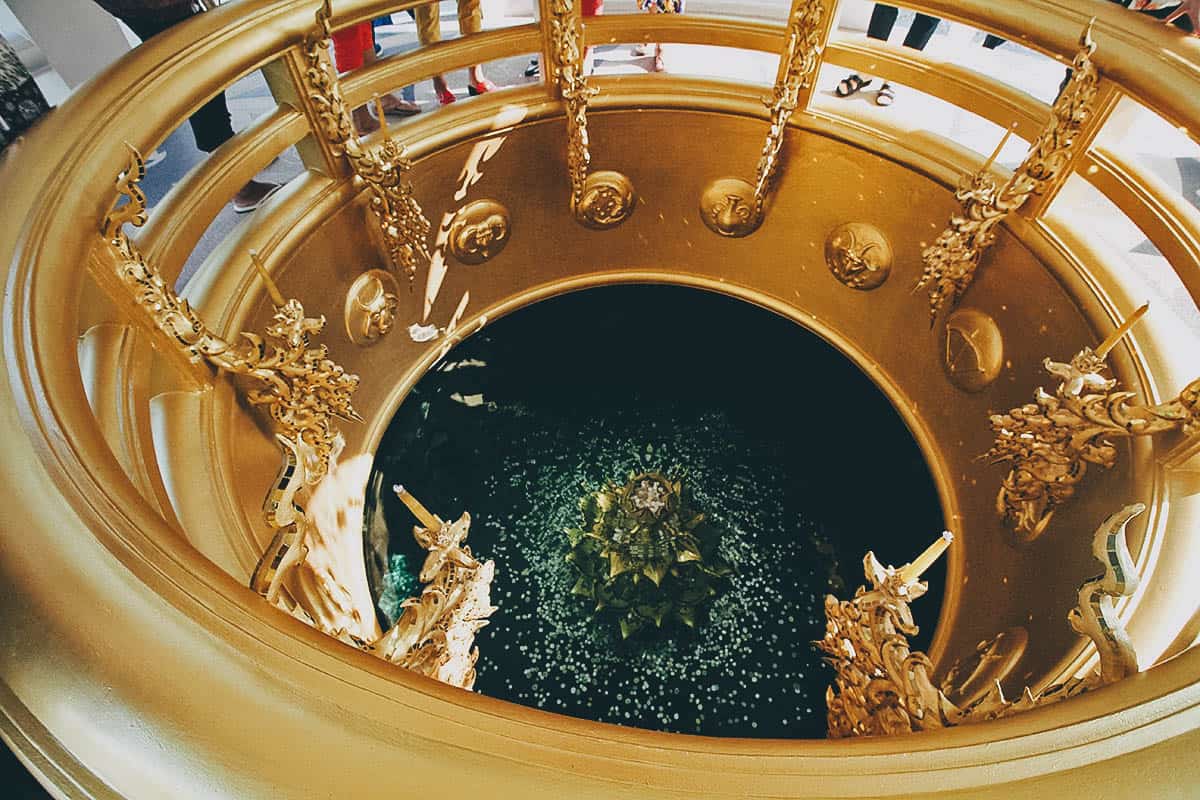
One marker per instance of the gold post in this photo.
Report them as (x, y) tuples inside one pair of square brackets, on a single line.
[(912, 572), (1116, 336), (427, 518), (1003, 141), (276, 296), (379, 112)]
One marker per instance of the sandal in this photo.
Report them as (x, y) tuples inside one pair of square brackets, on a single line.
[(394, 107), (445, 97), (850, 84), (482, 86), (885, 96)]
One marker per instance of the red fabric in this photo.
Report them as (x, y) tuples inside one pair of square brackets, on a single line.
[(349, 44), (592, 8)]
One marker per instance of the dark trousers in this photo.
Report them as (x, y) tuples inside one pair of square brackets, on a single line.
[(211, 124), (883, 19)]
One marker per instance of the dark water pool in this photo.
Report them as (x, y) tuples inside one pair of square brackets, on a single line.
[(784, 444)]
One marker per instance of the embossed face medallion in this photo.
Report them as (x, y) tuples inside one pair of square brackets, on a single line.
[(858, 255), (479, 231), (607, 200), (727, 208), (974, 352), (370, 309)]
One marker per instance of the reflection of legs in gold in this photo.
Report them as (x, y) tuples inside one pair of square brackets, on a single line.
[(429, 31)]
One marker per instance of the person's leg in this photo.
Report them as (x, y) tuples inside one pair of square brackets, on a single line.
[(391, 104), (921, 31), (350, 48), (470, 17), (883, 19), (211, 124), (429, 31), (470, 20)]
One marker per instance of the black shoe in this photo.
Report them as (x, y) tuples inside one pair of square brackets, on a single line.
[(534, 69)]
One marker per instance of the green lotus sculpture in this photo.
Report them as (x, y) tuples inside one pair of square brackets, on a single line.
[(645, 557)]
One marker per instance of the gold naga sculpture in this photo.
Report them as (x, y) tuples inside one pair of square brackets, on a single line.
[(951, 261), (883, 687), (401, 221), (301, 389), (304, 394), (435, 634), (731, 206), (1050, 443), (605, 198)]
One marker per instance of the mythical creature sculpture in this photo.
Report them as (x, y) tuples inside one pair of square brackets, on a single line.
[(315, 505), (302, 391), (882, 686), (436, 633), (1050, 443)]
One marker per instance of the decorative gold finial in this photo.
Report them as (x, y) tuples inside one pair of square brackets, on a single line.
[(272, 289), (302, 390), (912, 572), (324, 15), (427, 518), (401, 222), (1125, 327), (378, 103)]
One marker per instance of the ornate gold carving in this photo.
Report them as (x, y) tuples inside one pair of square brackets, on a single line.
[(731, 206), (858, 255), (287, 547), (436, 632), (727, 208), (1096, 615), (402, 222), (370, 310), (479, 231), (971, 678), (952, 260), (1050, 443), (302, 390), (882, 686), (605, 199), (798, 64), (974, 353)]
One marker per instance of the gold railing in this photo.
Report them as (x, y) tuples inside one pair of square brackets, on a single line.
[(58, 188)]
